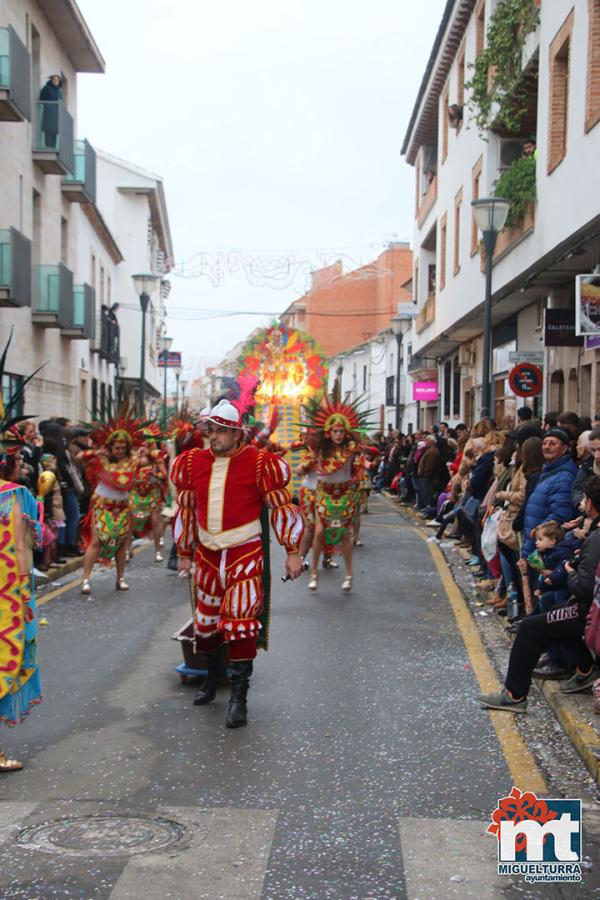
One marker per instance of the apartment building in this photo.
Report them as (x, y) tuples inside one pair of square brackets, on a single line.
[(342, 309), (134, 207), (46, 173), (554, 233)]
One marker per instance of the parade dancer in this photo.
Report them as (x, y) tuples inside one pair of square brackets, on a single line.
[(339, 429), (20, 532), (308, 492), (148, 492), (221, 492), (112, 467)]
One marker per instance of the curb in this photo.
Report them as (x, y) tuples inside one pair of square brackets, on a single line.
[(584, 738)]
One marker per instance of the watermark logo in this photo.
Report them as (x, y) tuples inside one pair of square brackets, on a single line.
[(539, 839)]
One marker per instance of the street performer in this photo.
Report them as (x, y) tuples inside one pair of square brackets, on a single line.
[(339, 430), (111, 468), (221, 491)]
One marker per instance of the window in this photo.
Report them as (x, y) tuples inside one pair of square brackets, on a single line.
[(444, 124), (103, 409), (443, 235), (479, 29), (364, 387), (102, 300), (94, 398), (592, 100), (64, 241), (389, 391), (416, 287), (457, 213), (460, 87), (447, 388), (10, 385), (560, 49), (456, 389), (408, 354), (475, 195)]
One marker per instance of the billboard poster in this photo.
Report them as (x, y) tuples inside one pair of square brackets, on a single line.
[(587, 304), (559, 329), (169, 359)]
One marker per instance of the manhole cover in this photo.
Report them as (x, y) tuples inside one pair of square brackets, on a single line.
[(103, 835)]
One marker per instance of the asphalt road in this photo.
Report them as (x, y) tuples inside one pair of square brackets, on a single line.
[(367, 769)]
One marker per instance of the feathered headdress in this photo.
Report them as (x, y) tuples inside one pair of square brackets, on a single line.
[(240, 392), (152, 431), (122, 427), (322, 416), (10, 439)]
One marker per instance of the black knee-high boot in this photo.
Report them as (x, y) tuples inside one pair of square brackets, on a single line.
[(216, 672), (237, 714)]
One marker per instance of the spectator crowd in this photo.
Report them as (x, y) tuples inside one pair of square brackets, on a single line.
[(524, 503)]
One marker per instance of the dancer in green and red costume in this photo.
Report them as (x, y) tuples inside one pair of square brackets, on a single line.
[(339, 431), (112, 468)]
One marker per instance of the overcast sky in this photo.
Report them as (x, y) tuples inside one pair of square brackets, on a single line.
[(276, 127)]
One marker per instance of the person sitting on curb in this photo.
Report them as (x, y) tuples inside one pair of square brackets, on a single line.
[(564, 625)]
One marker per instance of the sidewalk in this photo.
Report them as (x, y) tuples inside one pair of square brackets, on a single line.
[(574, 712)]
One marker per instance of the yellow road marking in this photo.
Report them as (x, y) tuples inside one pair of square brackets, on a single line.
[(521, 763), (45, 598)]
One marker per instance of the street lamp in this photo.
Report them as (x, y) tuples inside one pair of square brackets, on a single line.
[(397, 329), (144, 286), (177, 377), (183, 384), (165, 345), (490, 214)]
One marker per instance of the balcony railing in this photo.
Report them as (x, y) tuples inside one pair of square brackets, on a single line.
[(426, 315), (53, 301), (106, 339), (422, 368), (427, 201), (53, 147), (15, 268), (80, 185), (15, 78), (83, 322)]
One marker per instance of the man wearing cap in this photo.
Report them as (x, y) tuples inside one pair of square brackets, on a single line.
[(221, 491), (551, 498)]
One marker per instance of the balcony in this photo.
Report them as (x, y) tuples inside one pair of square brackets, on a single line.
[(83, 323), (53, 300), (427, 201), (510, 237), (15, 268), (15, 78), (53, 146), (106, 339), (426, 315), (80, 185), (421, 368)]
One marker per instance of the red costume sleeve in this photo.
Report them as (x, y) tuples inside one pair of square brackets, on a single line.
[(184, 526), (286, 519)]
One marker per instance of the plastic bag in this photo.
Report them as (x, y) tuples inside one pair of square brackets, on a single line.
[(489, 538)]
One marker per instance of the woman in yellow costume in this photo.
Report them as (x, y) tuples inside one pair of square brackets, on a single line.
[(339, 430), (20, 531), (112, 468)]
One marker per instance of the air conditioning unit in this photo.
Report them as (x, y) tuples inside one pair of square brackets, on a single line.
[(466, 357), (509, 150)]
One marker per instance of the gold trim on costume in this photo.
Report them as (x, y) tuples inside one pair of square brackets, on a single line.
[(216, 494), (224, 539)]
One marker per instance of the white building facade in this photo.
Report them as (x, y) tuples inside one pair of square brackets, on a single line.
[(376, 373), (536, 260), (46, 173)]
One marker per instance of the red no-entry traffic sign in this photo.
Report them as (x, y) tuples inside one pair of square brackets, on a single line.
[(526, 380)]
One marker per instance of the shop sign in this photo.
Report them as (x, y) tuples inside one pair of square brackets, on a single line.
[(521, 356), (169, 359), (425, 391), (559, 329)]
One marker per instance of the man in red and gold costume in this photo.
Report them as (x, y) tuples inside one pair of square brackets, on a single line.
[(221, 491)]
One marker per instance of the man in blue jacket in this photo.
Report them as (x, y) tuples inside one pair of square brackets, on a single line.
[(551, 498)]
